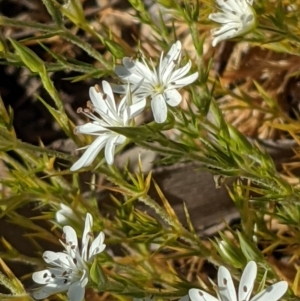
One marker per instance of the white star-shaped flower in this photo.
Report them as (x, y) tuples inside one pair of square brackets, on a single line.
[(112, 116), (226, 290), (160, 84), (69, 270), (237, 18)]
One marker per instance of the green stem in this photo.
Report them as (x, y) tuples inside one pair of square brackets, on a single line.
[(262, 27), (67, 35), (27, 24)]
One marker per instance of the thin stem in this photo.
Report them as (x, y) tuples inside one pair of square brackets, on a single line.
[(67, 35)]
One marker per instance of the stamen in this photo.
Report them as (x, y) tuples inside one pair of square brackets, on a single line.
[(79, 110), (89, 104), (97, 88)]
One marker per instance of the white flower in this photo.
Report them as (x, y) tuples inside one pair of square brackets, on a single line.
[(65, 215), (159, 84), (226, 290), (237, 18), (112, 116), (69, 270)]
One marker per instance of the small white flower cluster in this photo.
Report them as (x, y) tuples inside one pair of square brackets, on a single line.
[(141, 82), (159, 84), (70, 269), (237, 18), (226, 290)]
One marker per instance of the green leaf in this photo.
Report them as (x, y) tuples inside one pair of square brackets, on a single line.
[(28, 57), (97, 275), (249, 250), (54, 12)]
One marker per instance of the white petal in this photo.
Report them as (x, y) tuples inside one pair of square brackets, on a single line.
[(185, 80), (41, 293), (61, 218), (86, 236), (229, 28), (247, 281), (159, 108), (97, 99), (232, 5), (137, 108), (51, 276), (110, 96), (40, 276), (97, 245), (125, 72), (171, 56), (48, 290), (138, 71), (226, 27), (65, 214), (273, 292), (122, 72), (70, 237), (54, 258), (90, 128), (219, 18), (172, 97), (199, 295), (167, 73), (85, 278), (76, 292), (124, 103), (108, 109), (181, 72), (110, 149), (225, 284), (90, 154), (230, 34), (120, 89), (120, 140)]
